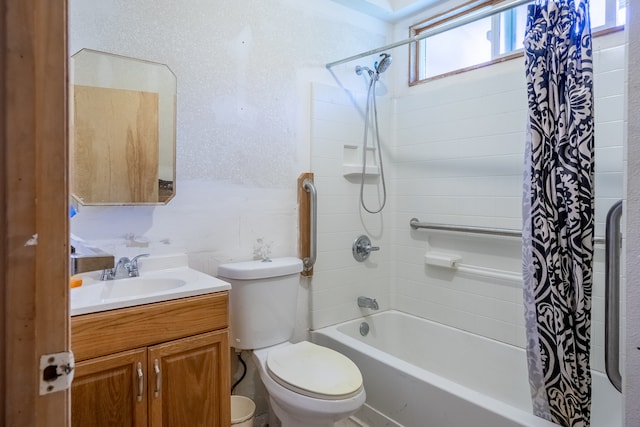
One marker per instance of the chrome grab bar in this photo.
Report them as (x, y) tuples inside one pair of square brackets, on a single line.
[(415, 224), (612, 296), (310, 187)]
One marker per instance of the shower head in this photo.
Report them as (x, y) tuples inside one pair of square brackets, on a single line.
[(384, 63)]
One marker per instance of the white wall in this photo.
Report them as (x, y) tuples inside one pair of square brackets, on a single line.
[(244, 71)]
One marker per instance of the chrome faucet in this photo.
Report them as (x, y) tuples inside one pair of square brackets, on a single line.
[(130, 266), (366, 302)]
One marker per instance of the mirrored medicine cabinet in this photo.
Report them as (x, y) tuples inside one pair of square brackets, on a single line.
[(122, 138)]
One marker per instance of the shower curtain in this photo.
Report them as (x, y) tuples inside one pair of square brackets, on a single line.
[(558, 207)]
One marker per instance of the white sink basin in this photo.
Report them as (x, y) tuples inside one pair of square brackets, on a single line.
[(153, 285), (138, 286)]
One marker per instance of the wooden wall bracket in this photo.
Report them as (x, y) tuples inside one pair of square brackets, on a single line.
[(304, 221)]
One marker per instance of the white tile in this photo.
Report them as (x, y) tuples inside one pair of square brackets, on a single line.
[(609, 108), (610, 59), (609, 134), (609, 83)]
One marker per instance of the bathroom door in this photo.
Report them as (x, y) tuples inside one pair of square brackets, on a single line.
[(34, 317)]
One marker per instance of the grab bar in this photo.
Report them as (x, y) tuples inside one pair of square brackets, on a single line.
[(612, 296), (415, 224), (310, 188)]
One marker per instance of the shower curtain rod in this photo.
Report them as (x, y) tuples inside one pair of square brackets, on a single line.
[(479, 14)]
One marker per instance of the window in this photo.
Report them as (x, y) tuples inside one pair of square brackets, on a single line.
[(486, 40)]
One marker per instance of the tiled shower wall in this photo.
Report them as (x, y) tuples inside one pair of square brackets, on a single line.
[(338, 280), (455, 157)]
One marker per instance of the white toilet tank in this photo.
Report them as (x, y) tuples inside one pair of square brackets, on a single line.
[(262, 301)]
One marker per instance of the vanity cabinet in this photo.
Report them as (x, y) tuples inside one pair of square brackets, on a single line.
[(157, 365), (185, 378), (105, 391)]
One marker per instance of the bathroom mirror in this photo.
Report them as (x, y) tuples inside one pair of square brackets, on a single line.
[(122, 130)]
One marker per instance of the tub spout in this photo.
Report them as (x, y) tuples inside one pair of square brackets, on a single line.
[(366, 302)]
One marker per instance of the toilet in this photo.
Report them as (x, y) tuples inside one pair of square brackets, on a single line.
[(308, 385)]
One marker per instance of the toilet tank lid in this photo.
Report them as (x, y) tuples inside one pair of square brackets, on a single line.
[(259, 269)]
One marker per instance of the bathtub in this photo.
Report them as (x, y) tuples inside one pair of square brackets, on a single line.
[(419, 373)]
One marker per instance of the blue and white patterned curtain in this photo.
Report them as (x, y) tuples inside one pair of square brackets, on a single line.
[(558, 207)]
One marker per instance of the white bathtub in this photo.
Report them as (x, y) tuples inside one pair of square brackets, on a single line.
[(419, 373)]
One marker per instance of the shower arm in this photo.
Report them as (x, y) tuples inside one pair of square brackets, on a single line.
[(612, 296)]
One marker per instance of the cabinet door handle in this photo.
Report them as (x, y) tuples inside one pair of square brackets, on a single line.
[(156, 369), (140, 382)]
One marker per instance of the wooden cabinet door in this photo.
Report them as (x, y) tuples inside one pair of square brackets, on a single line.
[(110, 391), (189, 382)]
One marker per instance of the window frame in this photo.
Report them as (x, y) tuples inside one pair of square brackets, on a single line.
[(464, 9)]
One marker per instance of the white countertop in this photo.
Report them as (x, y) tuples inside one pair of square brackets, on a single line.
[(162, 278)]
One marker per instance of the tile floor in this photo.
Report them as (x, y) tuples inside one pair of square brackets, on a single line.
[(350, 422)]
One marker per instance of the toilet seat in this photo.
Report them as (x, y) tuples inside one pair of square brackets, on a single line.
[(314, 371)]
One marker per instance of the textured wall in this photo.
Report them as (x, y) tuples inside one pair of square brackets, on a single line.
[(244, 71)]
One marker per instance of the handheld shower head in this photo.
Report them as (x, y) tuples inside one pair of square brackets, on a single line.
[(384, 63)]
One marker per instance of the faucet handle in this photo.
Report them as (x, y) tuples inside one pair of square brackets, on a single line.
[(362, 248), (134, 260), (132, 266), (107, 274), (123, 261), (112, 273)]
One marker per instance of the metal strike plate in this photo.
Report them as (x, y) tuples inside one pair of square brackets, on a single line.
[(56, 372)]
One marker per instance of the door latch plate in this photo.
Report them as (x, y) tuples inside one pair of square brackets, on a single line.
[(56, 372)]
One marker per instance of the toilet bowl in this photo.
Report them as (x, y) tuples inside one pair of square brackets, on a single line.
[(308, 385), (329, 391)]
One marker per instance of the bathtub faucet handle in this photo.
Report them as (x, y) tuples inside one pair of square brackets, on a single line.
[(362, 248)]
